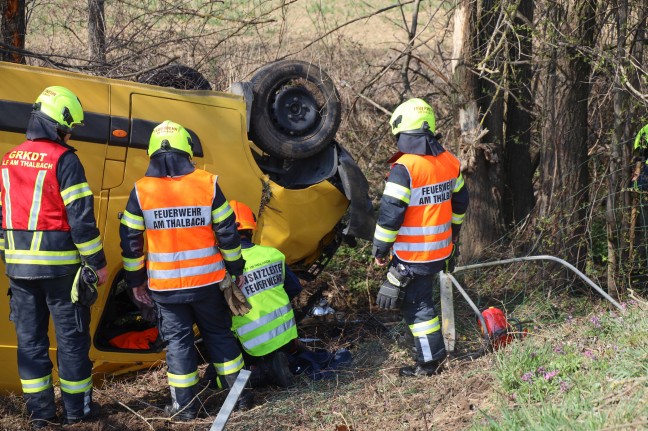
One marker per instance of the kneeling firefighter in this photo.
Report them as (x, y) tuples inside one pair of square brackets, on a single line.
[(268, 331), (193, 250), (421, 211)]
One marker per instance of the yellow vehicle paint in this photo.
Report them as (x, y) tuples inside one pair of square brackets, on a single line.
[(119, 117)]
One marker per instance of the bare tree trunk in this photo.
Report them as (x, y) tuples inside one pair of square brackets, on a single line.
[(564, 169), (518, 200), (482, 223), (411, 37), (12, 28), (96, 31)]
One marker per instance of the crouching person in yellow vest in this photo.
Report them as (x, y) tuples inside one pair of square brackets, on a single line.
[(268, 331), (191, 244)]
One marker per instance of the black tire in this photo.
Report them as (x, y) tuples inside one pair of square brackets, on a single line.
[(296, 109), (176, 76)]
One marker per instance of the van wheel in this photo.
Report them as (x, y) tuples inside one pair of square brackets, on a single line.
[(176, 76), (296, 109)]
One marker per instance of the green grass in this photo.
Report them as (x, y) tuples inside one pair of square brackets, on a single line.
[(585, 374)]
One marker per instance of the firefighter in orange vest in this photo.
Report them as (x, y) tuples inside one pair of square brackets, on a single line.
[(48, 230), (193, 251), (421, 211)]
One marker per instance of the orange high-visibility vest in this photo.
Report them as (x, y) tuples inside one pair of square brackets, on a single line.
[(182, 247), (426, 232)]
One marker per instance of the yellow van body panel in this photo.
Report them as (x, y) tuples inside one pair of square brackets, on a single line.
[(294, 221)]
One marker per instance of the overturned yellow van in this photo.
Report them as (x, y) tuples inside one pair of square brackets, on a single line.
[(306, 189)]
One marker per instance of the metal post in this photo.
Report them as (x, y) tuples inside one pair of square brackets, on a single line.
[(230, 401), (447, 312)]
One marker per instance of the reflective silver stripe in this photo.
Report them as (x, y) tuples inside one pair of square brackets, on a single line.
[(182, 255), (165, 274), (11, 244), (459, 184), (75, 192), (432, 194), (36, 257), (36, 241), (231, 255), (221, 213), (424, 230), (424, 328), (457, 218), (422, 246), (7, 199), (229, 367), (177, 217), (385, 235), (132, 221), (133, 264), (36, 201), (2, 243), (425, 348), (33, 386), (183, 381), (398, 192), (76, 387), (249, 327), (89, 247), (267, 336)]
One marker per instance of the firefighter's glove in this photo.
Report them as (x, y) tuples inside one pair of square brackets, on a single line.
[(236, 301), (451, 261), (391, 292), (84, 289)]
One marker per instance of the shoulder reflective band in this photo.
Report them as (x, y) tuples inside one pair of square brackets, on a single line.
[(78, 387), (75, 192), (424, 328), (183, 380), (132, 221), (36, 257), (398, 192), (221, 213), (229, 367), (89, 247), (133, 264), (33, 386), (7, 199), (36, 201), (385, 235)]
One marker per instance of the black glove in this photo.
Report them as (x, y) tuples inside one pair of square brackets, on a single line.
[(451, 261), (388, 296)]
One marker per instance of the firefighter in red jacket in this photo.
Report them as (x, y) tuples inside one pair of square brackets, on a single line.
[(421, 211), (48, 229), (192, 244)]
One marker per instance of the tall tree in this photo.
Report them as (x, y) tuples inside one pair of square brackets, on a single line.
[(12, 29), (570, 34), (96, 31), (479, 147), (518, 199)]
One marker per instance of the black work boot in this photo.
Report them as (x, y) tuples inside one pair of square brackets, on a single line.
[(38, 424), (426, 369), (180, 413), (280, 368)]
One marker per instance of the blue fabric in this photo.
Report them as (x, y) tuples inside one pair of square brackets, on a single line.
[(319, 364)]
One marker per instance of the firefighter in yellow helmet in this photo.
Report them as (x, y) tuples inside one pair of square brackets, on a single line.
[(421, 211), (193, 251), (48, 232)]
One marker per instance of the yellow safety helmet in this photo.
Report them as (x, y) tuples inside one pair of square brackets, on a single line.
[(170, 136), (60, 105), (641, 141), (412, 116)]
